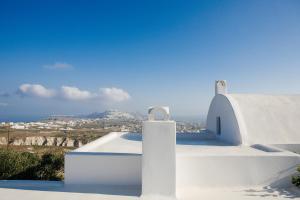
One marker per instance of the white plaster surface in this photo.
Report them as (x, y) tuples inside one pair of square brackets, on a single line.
[(201, 161), (210, 171), (256, 119), (159, 158), (270, 119), (220, 87), (102, 169), (188, 144), (153, 111), (120, 143), (90, 165), (37, 190), (222, 107)]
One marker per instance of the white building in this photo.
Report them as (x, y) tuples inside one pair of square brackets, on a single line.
[(18, 126), (248, 152), (250, 142), (247, 119)]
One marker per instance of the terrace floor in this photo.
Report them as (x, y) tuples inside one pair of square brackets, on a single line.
[(187, 144), (37, 190)]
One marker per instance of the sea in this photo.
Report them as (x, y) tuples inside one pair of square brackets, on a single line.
[(23, 118)]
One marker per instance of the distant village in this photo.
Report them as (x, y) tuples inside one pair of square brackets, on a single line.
[(108, 120)]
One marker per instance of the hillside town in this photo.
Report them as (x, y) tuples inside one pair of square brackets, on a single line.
[(108, 120), (74, 131)]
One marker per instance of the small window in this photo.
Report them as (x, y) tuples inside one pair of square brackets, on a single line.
[(218, 125)]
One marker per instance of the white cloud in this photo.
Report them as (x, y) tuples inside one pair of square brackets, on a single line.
[(114, 94), (59, 65), (2, 104), (105, 95), (36, 90), (74, 93)]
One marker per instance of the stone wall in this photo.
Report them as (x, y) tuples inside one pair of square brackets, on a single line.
[(43, 141)]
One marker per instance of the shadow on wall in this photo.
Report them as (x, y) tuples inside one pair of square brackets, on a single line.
[(132, 136), (185, 139)]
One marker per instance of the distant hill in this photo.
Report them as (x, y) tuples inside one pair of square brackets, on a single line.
[(113, 115)]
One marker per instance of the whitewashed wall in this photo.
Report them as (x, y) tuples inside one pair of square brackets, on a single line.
[(87, 166), (230, 130), (270, 119), (159, 158), (102, 168), (227, 171)]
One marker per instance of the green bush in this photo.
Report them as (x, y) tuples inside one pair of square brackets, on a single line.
[(51, 167), (296, 178), (28, 166), (13, 163)]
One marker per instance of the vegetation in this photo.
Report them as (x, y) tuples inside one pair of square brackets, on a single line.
[(31, 166), (83, 135), (39, 162), (296, 178)]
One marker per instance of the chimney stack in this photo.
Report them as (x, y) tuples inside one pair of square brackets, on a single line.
[(220, 87), (159, 155)]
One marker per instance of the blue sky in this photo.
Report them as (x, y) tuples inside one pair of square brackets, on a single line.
[(73, 57)]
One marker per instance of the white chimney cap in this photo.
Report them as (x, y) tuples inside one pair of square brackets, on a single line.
[(220, 87), (162, 109)]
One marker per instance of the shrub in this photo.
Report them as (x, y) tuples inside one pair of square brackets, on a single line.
[(296, 179), (21, 166), (50, 167), (13, 163)]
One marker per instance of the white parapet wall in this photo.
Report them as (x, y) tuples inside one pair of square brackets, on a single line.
[(103, 169), (201, 162), (87, 166), (209, 171)]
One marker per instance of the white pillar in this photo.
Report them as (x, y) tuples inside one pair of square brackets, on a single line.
[(220, 87), (159, 155)]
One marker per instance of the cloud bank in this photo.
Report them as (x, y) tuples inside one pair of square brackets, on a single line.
[(114, 94), (74, 93), (59, 65), (71, 93), (36, 90)]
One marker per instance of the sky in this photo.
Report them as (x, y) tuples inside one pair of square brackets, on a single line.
[(77, 57)]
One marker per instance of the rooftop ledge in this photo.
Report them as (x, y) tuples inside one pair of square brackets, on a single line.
[(197, 144)]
